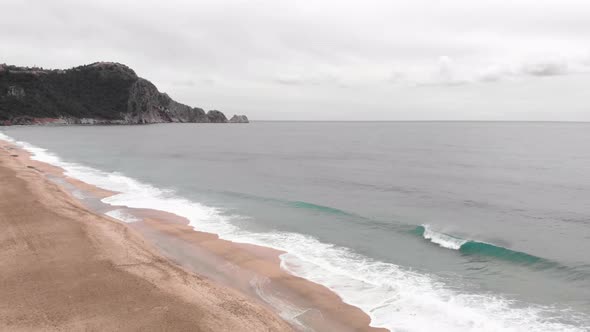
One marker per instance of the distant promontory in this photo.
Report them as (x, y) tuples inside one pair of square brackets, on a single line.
[(99, 93)]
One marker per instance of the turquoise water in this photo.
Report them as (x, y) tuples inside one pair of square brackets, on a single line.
[(463, 226)]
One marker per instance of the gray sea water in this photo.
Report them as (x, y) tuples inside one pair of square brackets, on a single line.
[(462, 226)]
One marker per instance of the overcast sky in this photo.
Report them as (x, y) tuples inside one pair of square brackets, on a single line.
[(327, 60)]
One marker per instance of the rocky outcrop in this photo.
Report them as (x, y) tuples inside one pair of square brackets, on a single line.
[(99, 93), (215, 116), (239, 119)]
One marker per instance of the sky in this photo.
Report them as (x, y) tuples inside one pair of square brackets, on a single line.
[(327, 59)]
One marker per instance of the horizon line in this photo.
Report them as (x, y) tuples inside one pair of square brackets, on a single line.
[(503, 121)]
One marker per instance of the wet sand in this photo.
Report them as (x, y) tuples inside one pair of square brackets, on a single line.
[(252, 271), (65, 268)]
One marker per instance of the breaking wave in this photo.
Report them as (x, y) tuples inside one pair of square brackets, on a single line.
[(471, 247), (394, 297)]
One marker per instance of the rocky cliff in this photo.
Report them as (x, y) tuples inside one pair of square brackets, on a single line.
[(99, 93), (239, 119)]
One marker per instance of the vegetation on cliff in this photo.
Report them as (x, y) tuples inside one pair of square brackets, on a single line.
[(101, 92)]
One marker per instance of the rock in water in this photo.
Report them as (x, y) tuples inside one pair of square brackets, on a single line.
[(216, 117), (99, 93), (239, 119)]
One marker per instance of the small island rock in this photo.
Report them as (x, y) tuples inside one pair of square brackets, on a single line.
[(239, 119)]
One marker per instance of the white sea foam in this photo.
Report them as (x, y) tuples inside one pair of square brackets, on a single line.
[(79, 194), (122, 215), (288, 311), (443, 240), (394, 297), (6, 138)]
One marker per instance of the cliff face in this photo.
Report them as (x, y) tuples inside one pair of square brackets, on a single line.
[(99, 93)]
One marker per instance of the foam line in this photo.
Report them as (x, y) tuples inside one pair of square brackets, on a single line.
[(120, 214), (394, 297)]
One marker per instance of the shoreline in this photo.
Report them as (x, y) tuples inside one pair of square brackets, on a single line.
[(66, 268), (252, 270)]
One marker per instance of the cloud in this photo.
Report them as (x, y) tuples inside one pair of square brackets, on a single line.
[(448, 72), (258, 51), (184, 83), (295, 80), (445, 69), (493, 73), (547, 68)]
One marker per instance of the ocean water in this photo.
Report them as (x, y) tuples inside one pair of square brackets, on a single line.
[(457, 226)]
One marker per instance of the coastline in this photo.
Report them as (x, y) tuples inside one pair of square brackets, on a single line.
[(251, 270), (66, 268)]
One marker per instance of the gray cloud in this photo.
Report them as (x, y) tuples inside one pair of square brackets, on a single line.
[(546, 69), (279, 59)]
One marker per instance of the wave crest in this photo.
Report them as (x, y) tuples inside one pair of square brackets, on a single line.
[(472, 247), (394, 297)]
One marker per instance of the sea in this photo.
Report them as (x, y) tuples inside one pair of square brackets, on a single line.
[(425, 226)]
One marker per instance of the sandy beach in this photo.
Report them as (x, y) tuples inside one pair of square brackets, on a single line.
[(66, 266)]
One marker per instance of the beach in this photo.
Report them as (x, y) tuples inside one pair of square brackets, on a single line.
[(335, 233), (67, 267)]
